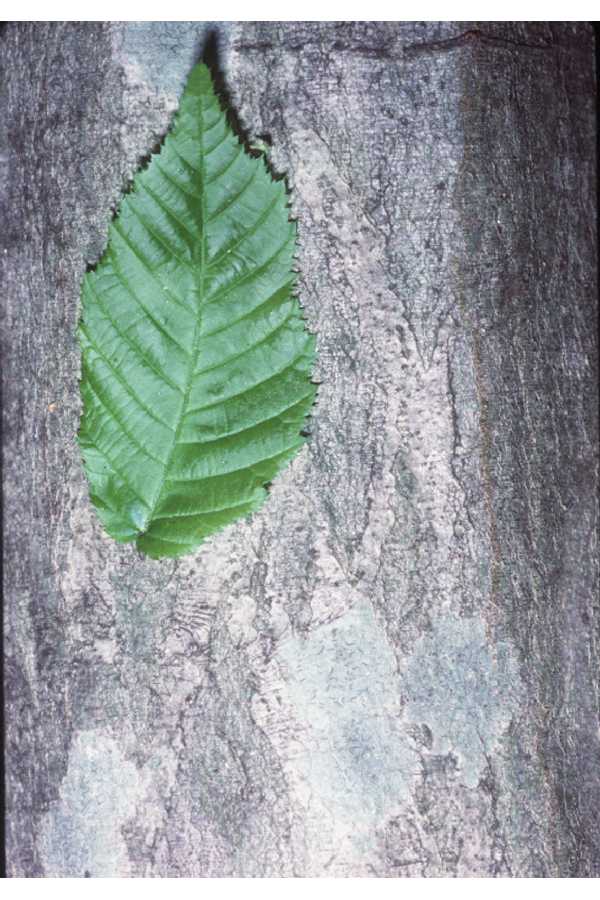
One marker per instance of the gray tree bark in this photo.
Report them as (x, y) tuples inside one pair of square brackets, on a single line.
[(392, 669)]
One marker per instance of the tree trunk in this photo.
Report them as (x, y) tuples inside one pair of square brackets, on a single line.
[(392, 668)]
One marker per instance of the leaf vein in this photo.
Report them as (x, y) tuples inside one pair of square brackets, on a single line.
[(263, 340), (173, 146), (251, 312), (143, 306), (247, 276), (257, 462), (233, 198), (174, 181), (249, 389), (248, 232), (117, 419), (115, 469), (202, 512), (217, 175), (249, 427), (168, 212), (131, 343), (196, 337), (122, 381), (164, 243)]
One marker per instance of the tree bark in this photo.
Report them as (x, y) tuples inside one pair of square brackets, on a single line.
[(392, 669)]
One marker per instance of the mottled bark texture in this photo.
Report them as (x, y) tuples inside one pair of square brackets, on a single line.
[(392, 669)]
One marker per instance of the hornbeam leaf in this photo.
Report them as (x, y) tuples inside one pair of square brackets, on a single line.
[(195, 357)]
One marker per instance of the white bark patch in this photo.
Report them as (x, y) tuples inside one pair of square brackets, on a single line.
[(348, 759), (465, 690), (82, 832)]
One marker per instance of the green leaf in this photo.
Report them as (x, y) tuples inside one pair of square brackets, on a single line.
[(195, 358)]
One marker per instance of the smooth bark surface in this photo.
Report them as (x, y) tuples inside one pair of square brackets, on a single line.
[(392, 669)]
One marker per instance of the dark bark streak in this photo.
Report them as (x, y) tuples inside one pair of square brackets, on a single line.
[(472, 37)]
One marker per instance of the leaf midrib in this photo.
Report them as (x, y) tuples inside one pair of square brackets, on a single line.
[(198, 275)]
